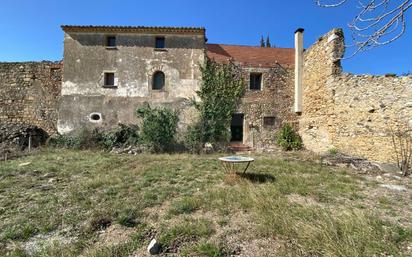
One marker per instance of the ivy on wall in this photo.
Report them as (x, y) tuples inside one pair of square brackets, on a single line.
[(221, 89)]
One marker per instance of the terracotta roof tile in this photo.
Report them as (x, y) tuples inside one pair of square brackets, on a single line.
[(174, 30), (251, 56)]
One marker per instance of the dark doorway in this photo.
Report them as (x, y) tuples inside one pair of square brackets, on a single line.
[(236, 127)]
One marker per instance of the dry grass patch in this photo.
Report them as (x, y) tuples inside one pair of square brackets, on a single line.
[(283, 206)]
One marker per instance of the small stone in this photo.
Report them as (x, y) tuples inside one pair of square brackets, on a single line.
[(395, 187), (208, 148), (388, 168), (154, 247), (49, 175)]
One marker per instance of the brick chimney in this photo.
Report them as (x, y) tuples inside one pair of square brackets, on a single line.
[(298, 70)]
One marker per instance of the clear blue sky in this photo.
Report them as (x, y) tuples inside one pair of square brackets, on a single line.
[(30, 29)]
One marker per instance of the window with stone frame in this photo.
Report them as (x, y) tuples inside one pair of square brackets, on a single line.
[(158, 82), (111, 41), (255, 82), (269, 121), (160, 43), (109, 79)]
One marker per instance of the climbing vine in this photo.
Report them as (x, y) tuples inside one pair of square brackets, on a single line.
[(221, 89)]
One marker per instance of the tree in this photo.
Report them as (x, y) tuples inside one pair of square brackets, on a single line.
[(262, 42), (220, 92), (268, 41), (378, 22), (402, 147)]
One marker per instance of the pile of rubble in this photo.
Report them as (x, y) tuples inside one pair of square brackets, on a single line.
[(357, 163)]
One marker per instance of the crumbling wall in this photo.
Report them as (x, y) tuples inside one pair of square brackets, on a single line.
[(352, 113), (29, 93)]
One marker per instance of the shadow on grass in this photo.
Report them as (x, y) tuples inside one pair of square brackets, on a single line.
[(257, 177)]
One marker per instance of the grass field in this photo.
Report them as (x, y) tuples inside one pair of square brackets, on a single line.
[(85, 203)]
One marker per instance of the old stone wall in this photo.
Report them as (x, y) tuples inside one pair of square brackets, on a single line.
[(29, 93), (351, 113), (274, 100)]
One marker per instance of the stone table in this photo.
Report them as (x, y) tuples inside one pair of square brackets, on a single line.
[(229, 162)]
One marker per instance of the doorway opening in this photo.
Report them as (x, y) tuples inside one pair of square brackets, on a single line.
[(236, 127)]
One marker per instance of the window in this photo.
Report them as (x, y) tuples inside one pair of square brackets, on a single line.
[(255, 81), (158, 80), (95, 117), (111, 41), (109, 79), (160, 42), (269, 121)]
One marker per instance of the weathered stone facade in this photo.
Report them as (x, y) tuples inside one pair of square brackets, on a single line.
[(133, 61), (352, 113), (274, 100), (29, 93)]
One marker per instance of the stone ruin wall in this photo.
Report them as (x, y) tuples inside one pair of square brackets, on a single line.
[(29, 93), (351, 113)]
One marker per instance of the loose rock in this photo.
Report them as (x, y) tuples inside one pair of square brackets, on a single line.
[(154, 247), (395, 187)]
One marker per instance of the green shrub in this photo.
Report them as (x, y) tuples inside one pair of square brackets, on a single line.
[(123, 135), (81, 139), (288, 139), (158, 128), (333, 151), (193, 138)]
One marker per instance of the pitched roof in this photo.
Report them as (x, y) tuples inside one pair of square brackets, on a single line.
[(251, 56), (133, 29)]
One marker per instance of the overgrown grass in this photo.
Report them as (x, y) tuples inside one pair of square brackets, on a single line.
[(187, 204), (203, 249), (310, 210), (187, 231)]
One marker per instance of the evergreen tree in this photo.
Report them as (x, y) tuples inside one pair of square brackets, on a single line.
[(268, 41), (262, 42)]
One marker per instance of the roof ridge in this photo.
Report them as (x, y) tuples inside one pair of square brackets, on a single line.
[(251, 56), (250, 46), (105, 28), (130, 26)]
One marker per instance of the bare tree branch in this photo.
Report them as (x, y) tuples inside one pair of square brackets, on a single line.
[(378, 22)]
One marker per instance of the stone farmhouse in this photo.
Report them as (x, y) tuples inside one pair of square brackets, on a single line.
[(109, 71)]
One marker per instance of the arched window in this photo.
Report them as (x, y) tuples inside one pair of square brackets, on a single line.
[(158, 80)]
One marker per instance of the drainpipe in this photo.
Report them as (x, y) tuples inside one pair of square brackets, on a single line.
[(298, 70)]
